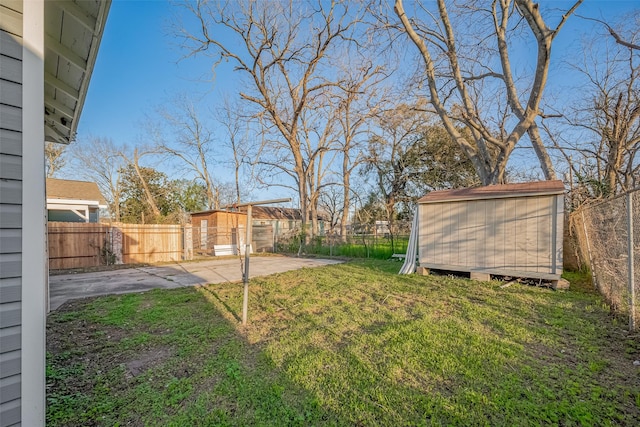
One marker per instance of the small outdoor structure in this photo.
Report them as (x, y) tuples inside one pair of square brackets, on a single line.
[(74, 201), (218, 231), (507, 230), (283, 221)]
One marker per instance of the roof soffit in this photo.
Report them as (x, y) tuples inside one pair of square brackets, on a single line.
[(73, 30)]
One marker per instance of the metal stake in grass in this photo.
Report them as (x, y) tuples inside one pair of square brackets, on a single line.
[(247, 250)]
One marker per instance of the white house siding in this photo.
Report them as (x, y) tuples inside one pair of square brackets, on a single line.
[(10, 210)]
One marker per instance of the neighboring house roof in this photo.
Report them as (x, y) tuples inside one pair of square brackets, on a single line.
[(212, 211), (65, 189), (274, 212), (538, 188), (266, 212)]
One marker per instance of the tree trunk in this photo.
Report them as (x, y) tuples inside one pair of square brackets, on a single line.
[(145, 186), (346, 201)]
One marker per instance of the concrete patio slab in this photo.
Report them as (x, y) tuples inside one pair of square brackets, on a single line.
[(65, 287)]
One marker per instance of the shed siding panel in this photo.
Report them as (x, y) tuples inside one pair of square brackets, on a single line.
[(510, 236), (477, 217), (440, 232), (10, 210), (445, 220), (529, 225), (456, 235), (493, 236), (497, 213), (509, 249), (462, 238), (544, 236)]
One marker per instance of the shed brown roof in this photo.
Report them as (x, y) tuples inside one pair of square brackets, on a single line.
[(74, 190), (537, 188)]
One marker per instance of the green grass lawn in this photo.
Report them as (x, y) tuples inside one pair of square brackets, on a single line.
[(351, 344)]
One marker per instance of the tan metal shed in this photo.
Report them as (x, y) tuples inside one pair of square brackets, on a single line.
[(508, 230)]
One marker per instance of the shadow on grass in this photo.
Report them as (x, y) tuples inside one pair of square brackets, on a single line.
[(166, 358), (354, 344)]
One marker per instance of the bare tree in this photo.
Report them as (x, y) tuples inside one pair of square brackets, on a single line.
[(358, 102), (55, 159), (409, 156), (283, 50), (189, 140), (389, 155), (134, 162), (237, 126), (472, 84), (100, 160), (603, 145), (630, 43), (331, 205)]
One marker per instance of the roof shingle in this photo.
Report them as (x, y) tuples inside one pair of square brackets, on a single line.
[(74, 190)]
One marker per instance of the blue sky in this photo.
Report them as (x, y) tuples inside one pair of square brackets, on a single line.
[(139, 68)]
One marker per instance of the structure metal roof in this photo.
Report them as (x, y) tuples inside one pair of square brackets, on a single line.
[(537, 188), (73, 30)]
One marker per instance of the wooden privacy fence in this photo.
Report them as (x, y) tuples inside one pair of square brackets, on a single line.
[(77, 245), (150, 243), (80, 245)]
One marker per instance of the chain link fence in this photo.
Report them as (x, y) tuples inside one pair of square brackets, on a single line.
[(607, 234)]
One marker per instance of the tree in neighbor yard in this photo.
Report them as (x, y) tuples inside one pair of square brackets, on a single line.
[(55, 158), (409, 156), (147, 195), (604, 142), (238, 131), (184, 135), (283, 49), (358, 100), (101, 161), (472, 84)]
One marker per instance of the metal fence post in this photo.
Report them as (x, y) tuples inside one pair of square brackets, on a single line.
[(630, 258)]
